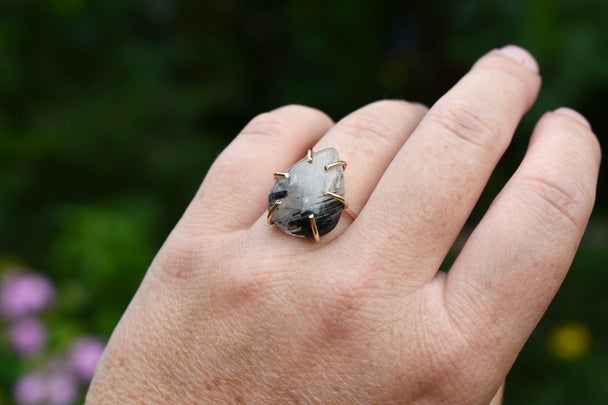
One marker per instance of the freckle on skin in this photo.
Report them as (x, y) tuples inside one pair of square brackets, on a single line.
[(213, 384)]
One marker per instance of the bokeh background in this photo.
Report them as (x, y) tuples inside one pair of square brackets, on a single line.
[(111, 111)]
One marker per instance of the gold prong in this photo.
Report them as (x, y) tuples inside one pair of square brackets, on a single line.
[(336, 197), (309, 155), (336, 164), (313, 226), (271, 211), (350, 213), (343, 201), (281, 174)]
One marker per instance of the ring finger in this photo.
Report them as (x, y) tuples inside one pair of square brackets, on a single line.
[(367, 140)]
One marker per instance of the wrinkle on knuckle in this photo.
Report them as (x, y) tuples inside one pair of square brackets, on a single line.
[(366, 125), (554, 199), (463, 122), (269, 124)]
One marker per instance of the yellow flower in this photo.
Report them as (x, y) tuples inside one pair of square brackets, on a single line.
[(570, 340)]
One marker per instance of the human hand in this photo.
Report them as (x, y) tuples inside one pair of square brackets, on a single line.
[(233, 310)]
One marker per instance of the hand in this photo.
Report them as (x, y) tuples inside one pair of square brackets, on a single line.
[(233, 310)]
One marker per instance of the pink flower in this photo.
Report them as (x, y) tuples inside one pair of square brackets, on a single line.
[(28, 336), (84, 356), (58, 387), (30, 389), (23, 294)]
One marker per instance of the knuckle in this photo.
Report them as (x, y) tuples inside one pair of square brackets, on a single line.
[(555, 198), (367, 124), (271, 123), (180, 259), (244, 285), (464, 122), (342, 305), (285, 120)]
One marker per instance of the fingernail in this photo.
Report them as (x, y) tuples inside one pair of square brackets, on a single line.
[(520, 55), (573, 114)]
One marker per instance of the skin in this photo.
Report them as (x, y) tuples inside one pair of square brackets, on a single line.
[(233, 310)]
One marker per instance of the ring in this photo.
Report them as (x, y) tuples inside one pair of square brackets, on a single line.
[(308, 199)]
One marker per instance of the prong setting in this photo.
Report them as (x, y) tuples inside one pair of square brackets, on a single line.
[(336, 197), (339, 163), (343, 201), (350, 213), (272, 210), (278, 175), (313, 226)]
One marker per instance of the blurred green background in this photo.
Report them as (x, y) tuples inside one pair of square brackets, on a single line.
[(111, 111)]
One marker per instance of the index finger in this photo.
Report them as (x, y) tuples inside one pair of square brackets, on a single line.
[(515, 260)]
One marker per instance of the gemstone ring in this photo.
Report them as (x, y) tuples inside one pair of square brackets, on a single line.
[(308, 199)]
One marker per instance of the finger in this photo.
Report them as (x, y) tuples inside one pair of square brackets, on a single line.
[(235, 191), (426, 194), (515, 260), (367, 140), (497, 400)]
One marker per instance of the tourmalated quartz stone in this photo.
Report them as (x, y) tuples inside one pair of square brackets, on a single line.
[(301, 194)]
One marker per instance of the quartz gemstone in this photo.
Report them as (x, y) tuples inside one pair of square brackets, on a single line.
[(302, 194)]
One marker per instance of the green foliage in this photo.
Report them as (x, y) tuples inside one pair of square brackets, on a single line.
[(112, 110), (103, 248)]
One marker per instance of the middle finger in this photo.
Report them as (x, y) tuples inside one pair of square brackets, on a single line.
[(430, 188)]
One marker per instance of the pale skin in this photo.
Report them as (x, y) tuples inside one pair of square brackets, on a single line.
[(232, 310)]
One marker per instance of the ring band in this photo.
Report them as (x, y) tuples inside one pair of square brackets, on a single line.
[(308, 199)]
